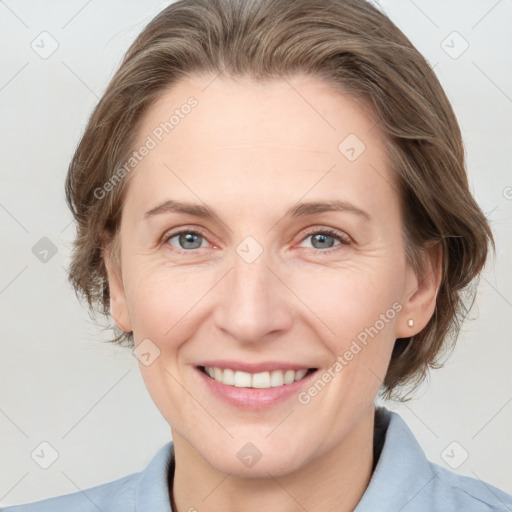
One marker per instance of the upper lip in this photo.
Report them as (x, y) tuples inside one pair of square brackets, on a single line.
[(264, 366)]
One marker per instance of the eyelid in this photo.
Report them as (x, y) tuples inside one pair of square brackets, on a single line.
[(342, 237), (329, 231), (183, 229)]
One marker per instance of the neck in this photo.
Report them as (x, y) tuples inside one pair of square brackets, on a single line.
[(334, 481)]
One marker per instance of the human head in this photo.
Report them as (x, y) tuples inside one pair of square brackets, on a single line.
[(353, 47)]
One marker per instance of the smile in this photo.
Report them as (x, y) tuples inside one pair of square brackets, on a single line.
[(261, 380)]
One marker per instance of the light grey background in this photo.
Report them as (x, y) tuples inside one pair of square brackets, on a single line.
[(61, 384)]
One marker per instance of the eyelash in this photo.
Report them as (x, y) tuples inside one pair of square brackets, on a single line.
[(343, 239)]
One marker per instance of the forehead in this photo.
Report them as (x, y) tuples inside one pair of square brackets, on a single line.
[(308, 107), (222, 134)]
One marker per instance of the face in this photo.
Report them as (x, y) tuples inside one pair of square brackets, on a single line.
[(291, 305)]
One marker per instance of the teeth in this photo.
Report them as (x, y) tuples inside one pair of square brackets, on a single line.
[(300, 374), (289, 377), (217, 374), (243, 380), (255, 380), (276, 378), (260, 380), (226, 376)]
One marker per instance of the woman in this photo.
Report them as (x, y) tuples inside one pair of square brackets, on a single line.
[(272, 205)]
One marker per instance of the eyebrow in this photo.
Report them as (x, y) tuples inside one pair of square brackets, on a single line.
[(298, 210)]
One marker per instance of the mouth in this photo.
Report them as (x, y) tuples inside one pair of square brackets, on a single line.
[(261, 380), (253, 386)]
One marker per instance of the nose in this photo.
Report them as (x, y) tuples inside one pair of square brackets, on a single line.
[(255, 304)]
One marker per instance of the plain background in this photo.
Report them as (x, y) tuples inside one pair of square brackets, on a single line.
[(62, 385)]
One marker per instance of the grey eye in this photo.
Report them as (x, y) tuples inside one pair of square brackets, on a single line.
[(187, 240), (322, 241)]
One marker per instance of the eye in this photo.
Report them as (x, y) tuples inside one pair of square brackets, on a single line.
[(191, 240), (186, 240), (323, 239)]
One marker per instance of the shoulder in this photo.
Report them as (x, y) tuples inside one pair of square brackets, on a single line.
[(137, 492), (459, 492), (109, 497), (404, 479)]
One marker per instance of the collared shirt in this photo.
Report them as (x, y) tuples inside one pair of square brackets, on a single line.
[(403, 481)]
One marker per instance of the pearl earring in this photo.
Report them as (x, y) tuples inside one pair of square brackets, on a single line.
[(410, 322)]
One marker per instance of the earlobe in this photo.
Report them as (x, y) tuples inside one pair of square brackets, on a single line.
[(420, 295), (118, 303)]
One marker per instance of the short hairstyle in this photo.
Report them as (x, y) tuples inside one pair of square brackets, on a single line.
[(356, 49)]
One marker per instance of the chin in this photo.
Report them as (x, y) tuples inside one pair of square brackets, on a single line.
[(278, 465)]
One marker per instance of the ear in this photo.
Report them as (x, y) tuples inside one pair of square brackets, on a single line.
[(420, 294), (118, 303)]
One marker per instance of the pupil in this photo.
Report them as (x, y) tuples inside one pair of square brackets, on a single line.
[(187, 239), (322, 239)]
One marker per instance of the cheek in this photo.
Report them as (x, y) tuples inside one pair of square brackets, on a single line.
[(159, 298), (161, 303), (349, 299), (356, 309)]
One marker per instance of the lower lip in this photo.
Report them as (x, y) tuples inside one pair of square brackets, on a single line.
[(254, 399)]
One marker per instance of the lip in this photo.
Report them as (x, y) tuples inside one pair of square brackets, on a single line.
[(254, 399), (264, 366)]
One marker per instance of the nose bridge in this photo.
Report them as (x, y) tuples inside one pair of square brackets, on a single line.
[(253, 301)]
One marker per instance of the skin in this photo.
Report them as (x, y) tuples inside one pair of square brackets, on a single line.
[(250, 151)]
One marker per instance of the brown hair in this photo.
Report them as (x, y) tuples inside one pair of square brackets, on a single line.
[(352, 46)]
